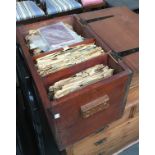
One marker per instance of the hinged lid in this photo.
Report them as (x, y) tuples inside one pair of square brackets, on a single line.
[(117, 27)]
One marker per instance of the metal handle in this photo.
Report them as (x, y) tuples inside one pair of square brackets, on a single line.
[(101, 141), (95, 106)]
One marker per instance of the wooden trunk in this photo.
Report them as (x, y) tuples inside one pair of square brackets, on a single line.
[(111, 139), (71, 126)]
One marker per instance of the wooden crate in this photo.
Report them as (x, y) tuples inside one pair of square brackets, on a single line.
[(112, 137), (108, 141)]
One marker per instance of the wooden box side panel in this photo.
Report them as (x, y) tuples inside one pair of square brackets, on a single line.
[(71, 121), (133, 96), (107, 142), (132, 61), (88, 144)]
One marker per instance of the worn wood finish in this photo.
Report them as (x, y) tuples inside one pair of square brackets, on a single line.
[(71, 126), (86, 146), (129, 133), (95, 106), (133, 96), (108, 141), (132, 61), (117, 27), (68, 106), (99, 143)]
